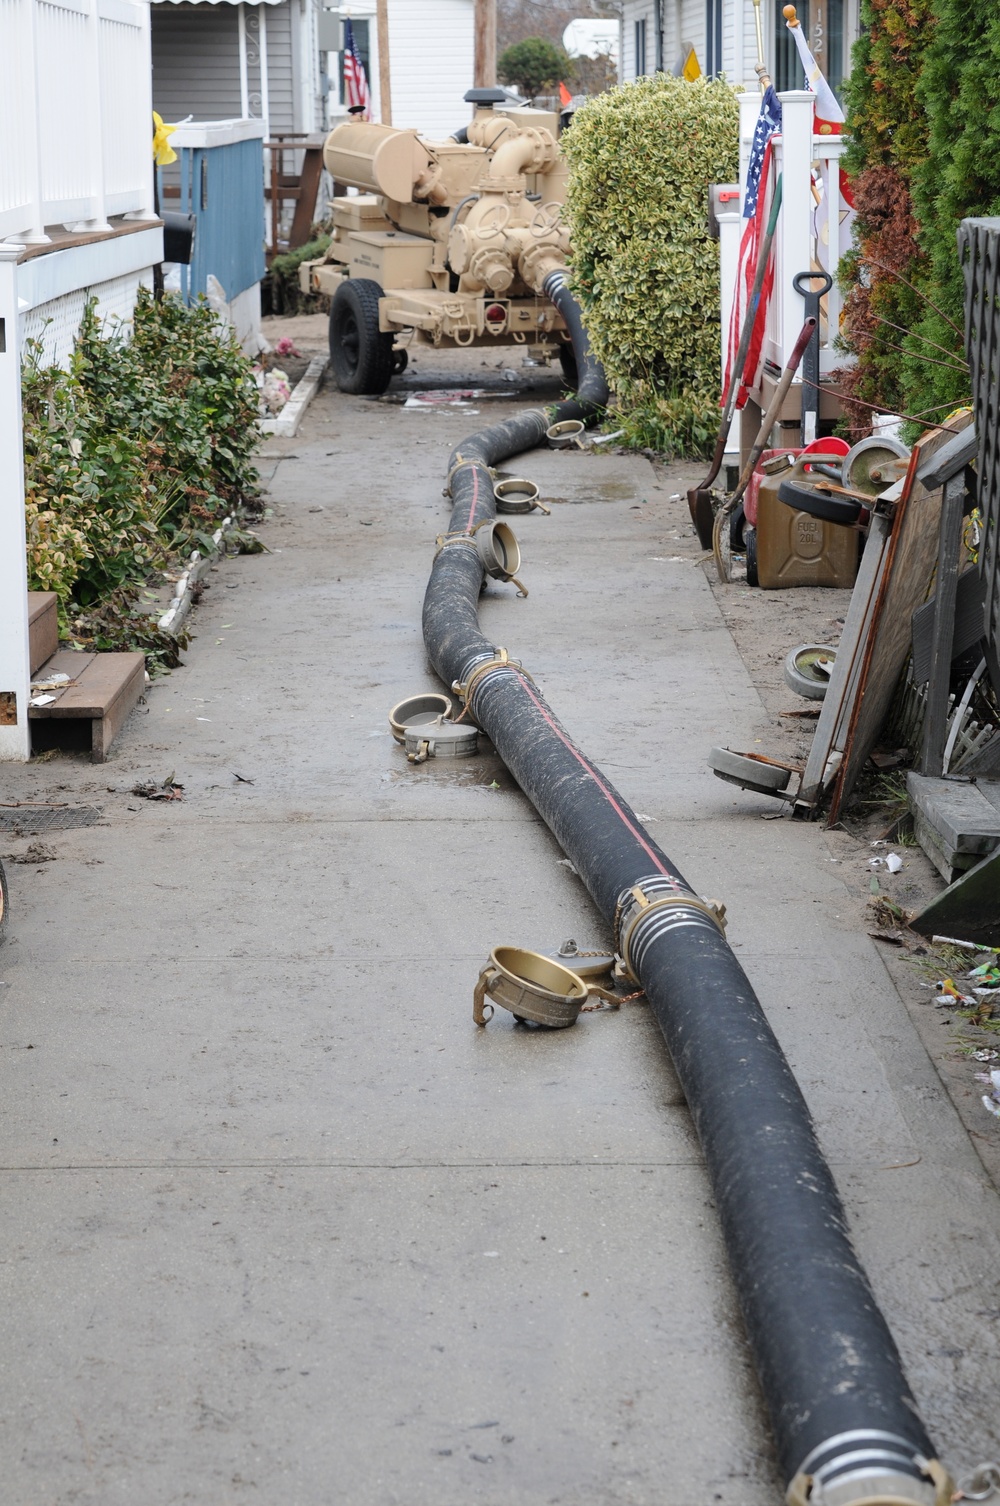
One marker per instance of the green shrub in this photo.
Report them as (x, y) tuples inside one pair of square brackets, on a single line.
[(286, 295), (533, 65), (135, 451), (646, 271)]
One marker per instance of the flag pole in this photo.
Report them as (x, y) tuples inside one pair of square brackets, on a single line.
[(760, 67)]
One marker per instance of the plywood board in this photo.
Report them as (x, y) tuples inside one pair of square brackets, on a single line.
[(909, 569)]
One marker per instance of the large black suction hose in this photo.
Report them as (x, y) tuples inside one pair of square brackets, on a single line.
[(592, 385), (846, 1425)]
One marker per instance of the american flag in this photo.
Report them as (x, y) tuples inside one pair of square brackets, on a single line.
[(356, 91), (755, 212)]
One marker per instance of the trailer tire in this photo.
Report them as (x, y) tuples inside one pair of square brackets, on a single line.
[(360, 354)]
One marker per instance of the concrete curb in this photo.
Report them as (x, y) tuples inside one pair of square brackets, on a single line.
[(286, 424), (197, 567)]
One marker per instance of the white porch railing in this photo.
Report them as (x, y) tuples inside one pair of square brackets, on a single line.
[(75, 115), (795, 241)]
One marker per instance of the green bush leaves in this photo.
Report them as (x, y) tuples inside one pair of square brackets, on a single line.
[(644, 267), (141, 443)]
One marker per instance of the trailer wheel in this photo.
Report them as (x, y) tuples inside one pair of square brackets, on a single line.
[(360, 354)]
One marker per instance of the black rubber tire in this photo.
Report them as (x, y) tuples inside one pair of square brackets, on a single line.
[(400, 360), (736, 768), (820, 504), (361, 356), (737, 529), (750, 544), (567, 360), (4, 903)]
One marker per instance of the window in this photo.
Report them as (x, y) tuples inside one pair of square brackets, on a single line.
[(713, 38), (640, 48)]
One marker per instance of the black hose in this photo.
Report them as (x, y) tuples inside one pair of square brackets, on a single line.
[(840, 1405), (461, 136), (592, 385)]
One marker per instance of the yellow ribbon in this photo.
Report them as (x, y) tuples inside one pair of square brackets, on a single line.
[(163, 152)]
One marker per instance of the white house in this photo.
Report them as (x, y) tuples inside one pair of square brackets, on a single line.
[(658, 35), (279, 61), (76, 221)]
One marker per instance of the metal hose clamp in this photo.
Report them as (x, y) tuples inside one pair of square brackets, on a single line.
[(474, 676), (460, 464), (654, 906)]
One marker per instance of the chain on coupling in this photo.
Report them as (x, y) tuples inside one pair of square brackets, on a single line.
[(654, 896)]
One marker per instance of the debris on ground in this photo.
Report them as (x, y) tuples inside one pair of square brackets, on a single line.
[(35, 852), (168, 790), (991, 1100)]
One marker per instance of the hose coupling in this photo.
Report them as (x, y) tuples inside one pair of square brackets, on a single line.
[(459, 465), (867, 1467), (654, 906), (482, 669), (446, 540)]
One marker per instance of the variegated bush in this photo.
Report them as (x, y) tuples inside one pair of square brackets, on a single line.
[(645, 269)]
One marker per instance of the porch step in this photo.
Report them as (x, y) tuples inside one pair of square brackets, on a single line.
[(956, 824), (43, 627), (102, 691)]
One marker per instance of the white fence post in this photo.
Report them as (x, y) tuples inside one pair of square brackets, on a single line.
[(793, 241), (730, 232), (97, 219), (15, 672)]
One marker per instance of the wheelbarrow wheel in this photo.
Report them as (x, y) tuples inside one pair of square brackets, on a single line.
[(804, 672), (750, 544), (748, 773)]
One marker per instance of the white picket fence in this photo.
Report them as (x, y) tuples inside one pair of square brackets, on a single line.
[(75, 115)]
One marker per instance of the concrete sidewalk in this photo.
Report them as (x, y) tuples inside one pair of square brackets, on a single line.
[(282, 1224)]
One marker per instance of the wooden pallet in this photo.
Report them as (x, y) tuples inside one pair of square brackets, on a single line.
[(103, 689)]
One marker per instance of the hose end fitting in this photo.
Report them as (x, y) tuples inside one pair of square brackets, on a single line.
[(869, 1468), (654, 906)]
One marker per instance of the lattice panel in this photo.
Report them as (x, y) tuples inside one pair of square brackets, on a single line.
[(55, 324), (979, 251)]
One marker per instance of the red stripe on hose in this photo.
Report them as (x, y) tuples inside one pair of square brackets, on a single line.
[(475, 499), (603, 789)]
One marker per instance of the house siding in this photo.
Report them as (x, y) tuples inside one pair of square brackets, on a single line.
[(431, 41), (196, 64)]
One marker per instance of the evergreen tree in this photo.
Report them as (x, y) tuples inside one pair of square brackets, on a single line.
[(959, 90), (888, 142)]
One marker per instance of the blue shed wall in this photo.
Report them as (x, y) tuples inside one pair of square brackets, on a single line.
[(224, 187)]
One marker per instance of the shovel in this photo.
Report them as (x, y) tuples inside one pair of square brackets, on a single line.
[(700, 497)]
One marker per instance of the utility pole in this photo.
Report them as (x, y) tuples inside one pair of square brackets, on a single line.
[(485, 72), (384, 84)]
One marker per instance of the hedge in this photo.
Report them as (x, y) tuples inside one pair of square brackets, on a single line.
[(641, 158)]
